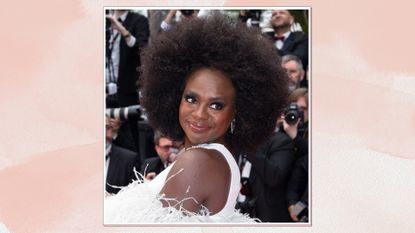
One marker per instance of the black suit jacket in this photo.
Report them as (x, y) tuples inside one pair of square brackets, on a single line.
[(153, 164), (296, 44), (121, 168), (298, 184), (137, 25), (270, 171)]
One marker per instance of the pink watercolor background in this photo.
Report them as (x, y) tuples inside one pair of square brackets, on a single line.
[(363, 116)]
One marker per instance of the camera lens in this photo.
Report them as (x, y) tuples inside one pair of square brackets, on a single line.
[(292, 114), (291, 117)]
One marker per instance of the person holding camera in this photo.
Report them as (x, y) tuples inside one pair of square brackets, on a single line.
[(127, 34), (297, 129), (167, 151), (268, 179), (297, 191)]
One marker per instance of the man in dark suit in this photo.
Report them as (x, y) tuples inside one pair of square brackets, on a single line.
[(287, 42), (268, 179), (119, 163), (166, 150), (127, 35), (297, 191)]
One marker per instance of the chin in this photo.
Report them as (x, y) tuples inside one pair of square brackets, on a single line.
[(196, 141)]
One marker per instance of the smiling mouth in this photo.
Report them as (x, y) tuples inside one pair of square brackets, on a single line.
[(198, 128)]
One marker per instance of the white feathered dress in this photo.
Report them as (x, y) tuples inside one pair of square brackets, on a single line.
[(140, 202)]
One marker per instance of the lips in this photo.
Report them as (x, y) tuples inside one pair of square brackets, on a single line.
[(198, 127)]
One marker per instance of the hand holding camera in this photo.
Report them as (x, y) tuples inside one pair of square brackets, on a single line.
[(292, 120)]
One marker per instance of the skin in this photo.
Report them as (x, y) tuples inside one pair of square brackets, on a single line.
[(206, 111), (292, 214), (281, 21), (108, 131), (116, 25), (163, 148), (302, 104), (111, 128), (207, 107), (295, 74)]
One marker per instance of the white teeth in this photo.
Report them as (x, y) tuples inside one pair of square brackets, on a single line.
[(196, 125)]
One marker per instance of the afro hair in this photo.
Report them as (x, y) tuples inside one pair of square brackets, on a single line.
[(247, 58)]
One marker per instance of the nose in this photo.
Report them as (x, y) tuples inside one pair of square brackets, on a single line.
[(200, 113)]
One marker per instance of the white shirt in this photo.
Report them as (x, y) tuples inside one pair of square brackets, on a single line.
[(279, 43), (115, 39)]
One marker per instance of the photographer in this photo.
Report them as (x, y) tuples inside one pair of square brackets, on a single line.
[(268, 179), (297, 190), (123, 136), (298, 131), (126, 35)]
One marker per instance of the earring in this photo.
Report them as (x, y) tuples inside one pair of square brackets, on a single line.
[(232, 125)]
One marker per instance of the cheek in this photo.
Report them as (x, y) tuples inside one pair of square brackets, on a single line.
[(224, 119)]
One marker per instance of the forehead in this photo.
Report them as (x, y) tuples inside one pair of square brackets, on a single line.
[(290, 64), (211, 83), (301, 102)]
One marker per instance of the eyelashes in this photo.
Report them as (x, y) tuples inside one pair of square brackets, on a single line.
[(192, 99), (217, 106)]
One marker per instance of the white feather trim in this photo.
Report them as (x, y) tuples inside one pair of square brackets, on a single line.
[(139, 202)]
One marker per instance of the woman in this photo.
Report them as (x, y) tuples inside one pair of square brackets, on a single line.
[(219, 86)]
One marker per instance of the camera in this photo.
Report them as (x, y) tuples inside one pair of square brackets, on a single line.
[(292, 113), (132, 112)]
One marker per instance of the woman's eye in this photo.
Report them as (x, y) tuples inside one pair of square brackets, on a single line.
[(217, 106), (190, 99)]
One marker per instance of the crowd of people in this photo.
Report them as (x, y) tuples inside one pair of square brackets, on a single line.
[(159, 70)]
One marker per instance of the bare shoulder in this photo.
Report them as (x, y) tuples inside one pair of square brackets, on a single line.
[(202, 175)]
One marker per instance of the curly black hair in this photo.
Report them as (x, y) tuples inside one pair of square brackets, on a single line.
[(217, 42)]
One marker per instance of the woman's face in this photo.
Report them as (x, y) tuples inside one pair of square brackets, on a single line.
[(207, 107)]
